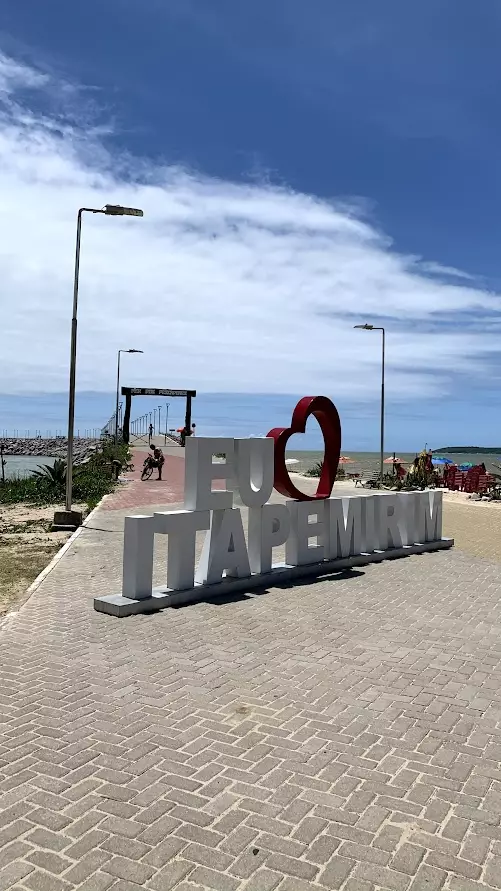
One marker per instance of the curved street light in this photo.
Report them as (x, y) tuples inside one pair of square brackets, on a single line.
[(367, 327), (109, 210)]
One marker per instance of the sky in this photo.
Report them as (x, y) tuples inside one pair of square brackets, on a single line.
[(302, 168)]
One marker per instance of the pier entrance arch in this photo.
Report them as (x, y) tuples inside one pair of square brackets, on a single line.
[(129, 392)]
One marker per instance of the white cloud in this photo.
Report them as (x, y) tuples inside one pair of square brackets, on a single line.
[(226, 287), (15, 76)]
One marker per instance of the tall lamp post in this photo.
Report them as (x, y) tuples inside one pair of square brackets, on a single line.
[(118, 388), (115, 210), (166, 420), (367, 327)]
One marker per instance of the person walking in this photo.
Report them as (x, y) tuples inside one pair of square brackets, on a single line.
[(150, 433)]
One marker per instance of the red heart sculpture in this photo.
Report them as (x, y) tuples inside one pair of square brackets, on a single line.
[(328, 418)]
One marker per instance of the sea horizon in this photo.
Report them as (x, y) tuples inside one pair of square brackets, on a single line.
[(235, 415)]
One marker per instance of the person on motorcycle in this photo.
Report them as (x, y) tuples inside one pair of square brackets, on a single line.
[(158, 458)]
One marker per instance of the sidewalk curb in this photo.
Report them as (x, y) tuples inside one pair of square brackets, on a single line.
[(6, 620)]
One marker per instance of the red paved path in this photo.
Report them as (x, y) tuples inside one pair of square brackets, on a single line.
[(136, 493)]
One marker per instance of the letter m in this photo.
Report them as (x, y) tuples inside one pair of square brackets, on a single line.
[(428, 516)]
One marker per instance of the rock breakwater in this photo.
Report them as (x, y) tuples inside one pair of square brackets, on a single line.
[(50, 448)]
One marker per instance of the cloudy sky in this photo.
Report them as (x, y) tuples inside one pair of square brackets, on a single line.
[(302, 168)]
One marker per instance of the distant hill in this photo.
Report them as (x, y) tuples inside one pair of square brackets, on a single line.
[(467, 450)]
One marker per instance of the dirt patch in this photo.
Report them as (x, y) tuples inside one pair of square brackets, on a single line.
[(26, 547), (24, 517), (22, 558)]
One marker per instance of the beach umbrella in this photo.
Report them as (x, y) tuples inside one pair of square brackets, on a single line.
[(440, 461), (393, 460), (466, 465), (345, 460)]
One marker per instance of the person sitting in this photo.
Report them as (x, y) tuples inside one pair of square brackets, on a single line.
[(159, 459)]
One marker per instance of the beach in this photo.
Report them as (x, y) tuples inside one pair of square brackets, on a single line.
[(369, 461)]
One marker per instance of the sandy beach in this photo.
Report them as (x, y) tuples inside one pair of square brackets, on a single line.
[(27, 545)]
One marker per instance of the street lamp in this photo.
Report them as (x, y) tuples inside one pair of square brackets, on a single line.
[(118, 388), (109, 210), (166, 420), (367, 327)]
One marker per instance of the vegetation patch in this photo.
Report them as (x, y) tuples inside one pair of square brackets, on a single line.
[(91, 480), (27, 505)]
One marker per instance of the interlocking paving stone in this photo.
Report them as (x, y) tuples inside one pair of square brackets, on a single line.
[(341, 734)]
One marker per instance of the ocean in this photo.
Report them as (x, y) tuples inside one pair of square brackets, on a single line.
[(241, 415), (23, 465)]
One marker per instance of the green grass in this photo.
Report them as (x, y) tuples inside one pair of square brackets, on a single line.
[(91, 481)]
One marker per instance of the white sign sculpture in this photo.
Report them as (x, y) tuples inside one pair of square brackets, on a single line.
[(320, 536)]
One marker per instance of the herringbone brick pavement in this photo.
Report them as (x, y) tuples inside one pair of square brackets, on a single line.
[(344, 734), (136, 492)]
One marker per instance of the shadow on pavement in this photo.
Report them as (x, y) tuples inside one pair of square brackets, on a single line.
[(241, 596)]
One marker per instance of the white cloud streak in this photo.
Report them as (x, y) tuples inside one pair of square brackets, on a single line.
[(226, 287)]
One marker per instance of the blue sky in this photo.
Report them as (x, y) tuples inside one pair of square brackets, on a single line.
[(302, 167)]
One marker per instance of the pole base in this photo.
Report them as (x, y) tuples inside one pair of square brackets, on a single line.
[(66, 520)]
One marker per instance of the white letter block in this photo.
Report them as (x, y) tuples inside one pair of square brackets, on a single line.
[(139, 538), (224, 549), (407, 517), (200, 471), (344, 527), (389, 516), (181, 526), (370, 537), (269, 526), (428, 516), (298, 550), (254, 470)]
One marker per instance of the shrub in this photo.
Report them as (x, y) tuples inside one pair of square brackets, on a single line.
[(316, 470), (46, 486), (36, 491)]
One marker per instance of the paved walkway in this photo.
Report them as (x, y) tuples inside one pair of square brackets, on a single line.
[(137, 493), (344, 734)]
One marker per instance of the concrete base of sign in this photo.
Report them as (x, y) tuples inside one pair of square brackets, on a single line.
[(66, 520), (117, 605)]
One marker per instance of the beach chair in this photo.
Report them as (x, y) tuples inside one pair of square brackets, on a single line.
[(482, 483), (471, 480), (457, 481), (448, 476)]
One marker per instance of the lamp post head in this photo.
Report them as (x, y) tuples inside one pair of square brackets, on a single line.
[(134, 351), (116, 210), (365, 327)]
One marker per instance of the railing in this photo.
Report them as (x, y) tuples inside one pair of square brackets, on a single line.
[(109, 427), (139, 428)]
